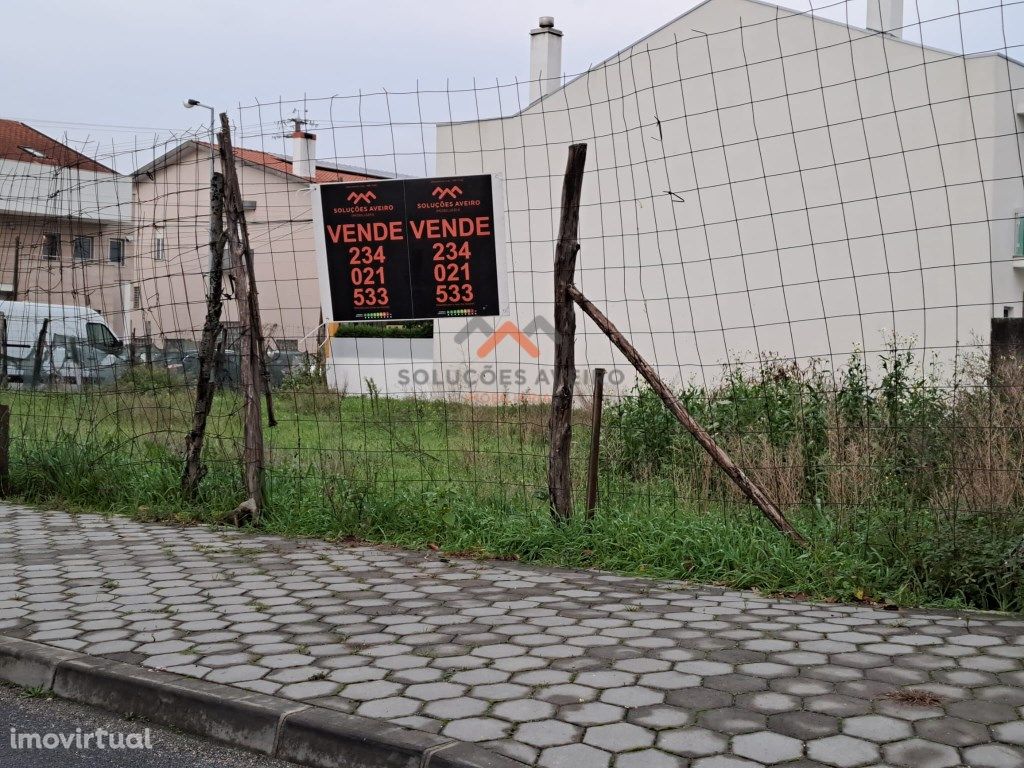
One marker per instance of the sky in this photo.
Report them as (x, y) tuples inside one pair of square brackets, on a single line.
[(114, 72)]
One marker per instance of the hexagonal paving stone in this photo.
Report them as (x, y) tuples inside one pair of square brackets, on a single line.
[(605, 679), (842, 751), (546, 733), (692, 742), (574, 756), (877, 728), (994, 756), (309, 689), (767, 747), (649, 758), (1012, 733), (952, 731), (659, 717), (523, 710), (725, 761), (632, 696), (618, 737), (918, 753), (732, 721), (476, 729), (591, 713), (281, 661), (377, 689), (390, 707), (434, 691), (451, 709), (237, 674)]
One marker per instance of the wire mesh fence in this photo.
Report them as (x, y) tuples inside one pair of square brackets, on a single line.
[(812, 230)]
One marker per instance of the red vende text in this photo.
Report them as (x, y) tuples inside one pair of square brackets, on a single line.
[(439, 229), (372, 232)]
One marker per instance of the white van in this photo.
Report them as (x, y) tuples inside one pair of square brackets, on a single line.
[(78, 347)]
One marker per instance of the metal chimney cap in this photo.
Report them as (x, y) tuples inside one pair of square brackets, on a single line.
[(547, 22)]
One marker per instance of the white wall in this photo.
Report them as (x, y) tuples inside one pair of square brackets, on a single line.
[(175, 202), (37, 189), (832, 187)]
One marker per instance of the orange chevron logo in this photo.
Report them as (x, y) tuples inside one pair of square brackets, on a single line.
[(442, 192), (510, 330), (361, 197)]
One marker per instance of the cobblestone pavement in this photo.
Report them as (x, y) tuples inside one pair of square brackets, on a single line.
[(564, 669)]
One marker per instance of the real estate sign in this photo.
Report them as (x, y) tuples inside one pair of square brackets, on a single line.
[(402, 249)]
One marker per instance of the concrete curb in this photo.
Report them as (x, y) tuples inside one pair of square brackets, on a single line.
[(289, 730)]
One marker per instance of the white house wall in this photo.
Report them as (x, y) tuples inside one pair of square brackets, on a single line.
[(175, 202), (39, 189), (812, 189)]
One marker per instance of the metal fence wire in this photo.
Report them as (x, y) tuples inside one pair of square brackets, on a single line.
[(812, 231)]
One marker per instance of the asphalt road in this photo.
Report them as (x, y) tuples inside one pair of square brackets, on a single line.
[(169, 749)]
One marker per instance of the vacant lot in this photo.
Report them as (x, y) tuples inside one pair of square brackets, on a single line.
[(909, 492)]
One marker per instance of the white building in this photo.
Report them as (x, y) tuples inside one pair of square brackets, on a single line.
[(759, 182), (65, 226)]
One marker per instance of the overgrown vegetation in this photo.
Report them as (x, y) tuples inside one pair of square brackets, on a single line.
[(423, 329), (909, 490)]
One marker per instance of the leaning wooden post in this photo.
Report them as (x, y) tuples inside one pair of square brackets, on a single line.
[(5, 449), (17, 269), (707, 442), (560, 421), (37, 362), (238, 243), (257, 328), (595, 441), (3, 351), (206, 385)]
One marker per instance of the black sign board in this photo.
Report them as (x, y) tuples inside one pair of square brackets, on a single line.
[(409, 248)]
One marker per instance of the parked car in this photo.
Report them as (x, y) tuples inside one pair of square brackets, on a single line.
[(77, 346)]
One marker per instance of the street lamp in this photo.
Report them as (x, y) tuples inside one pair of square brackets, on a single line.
[(189, 104)]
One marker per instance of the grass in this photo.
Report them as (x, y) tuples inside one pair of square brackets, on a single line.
[(36, 692), (894, 500)]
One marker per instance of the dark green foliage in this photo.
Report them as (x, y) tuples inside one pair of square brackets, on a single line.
[(412, 330)]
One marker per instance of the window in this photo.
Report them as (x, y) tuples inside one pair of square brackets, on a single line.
[(83, 248), (51, 245), (1018, 239), (116, 253), (136, 297), (159, 246), (100, 337)]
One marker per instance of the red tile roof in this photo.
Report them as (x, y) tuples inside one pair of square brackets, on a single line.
[(283, 165), (16, 138)]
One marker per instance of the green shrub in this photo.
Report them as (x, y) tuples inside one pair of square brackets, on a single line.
[(412, 330)]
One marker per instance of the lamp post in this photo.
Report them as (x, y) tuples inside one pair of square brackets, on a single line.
[(189, 104)]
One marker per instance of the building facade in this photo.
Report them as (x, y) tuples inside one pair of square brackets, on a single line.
[(760, 183), (171, 203), (65, 226)]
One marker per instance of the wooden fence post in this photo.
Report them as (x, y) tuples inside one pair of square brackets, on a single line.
[(250, 364), (750, 489), (5, 449), (595, 440), (560, 421), (37, 362), (17, 269), (206, 385), (3, 351)]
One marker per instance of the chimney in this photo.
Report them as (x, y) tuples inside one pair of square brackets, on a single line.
[(303, 152), (886, 16), (545, 58)]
